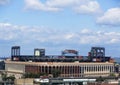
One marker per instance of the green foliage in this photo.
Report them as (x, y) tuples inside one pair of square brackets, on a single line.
[(12, 78), (34, 75), (112, 74), (4, 76), (56, 73), (100, 79), (7, 78)]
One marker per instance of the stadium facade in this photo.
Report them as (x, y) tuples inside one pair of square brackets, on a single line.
[(94, 65)]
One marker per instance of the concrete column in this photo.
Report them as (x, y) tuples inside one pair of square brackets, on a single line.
[(112, 68), (79, 71), (64, 70), (69, 70), (87, 68), (106, 68), (84, 68), (72, 71), (82, 71), (95, 68), (100, 68)]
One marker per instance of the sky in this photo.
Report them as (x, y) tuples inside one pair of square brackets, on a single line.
[(57, 25)]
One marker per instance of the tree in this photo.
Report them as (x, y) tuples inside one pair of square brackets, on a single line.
[(11, 78), (112, 75), (4, 76), (56, 73), (100, 79), (34, 75)]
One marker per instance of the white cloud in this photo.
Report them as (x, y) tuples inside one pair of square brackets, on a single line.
[(59, 3), (3, 2), (92, 7), (114, 40), (79, 6), (69, 36), (65, 3), (85, 31), (54, 40), (37, 5), (111, 17), (26, 34)]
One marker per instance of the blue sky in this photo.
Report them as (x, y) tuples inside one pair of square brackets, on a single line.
[(60, 24)]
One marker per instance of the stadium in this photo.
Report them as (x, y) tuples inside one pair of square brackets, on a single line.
[(94, 65)]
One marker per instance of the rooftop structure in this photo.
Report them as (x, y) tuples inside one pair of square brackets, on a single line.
[(97, 54)]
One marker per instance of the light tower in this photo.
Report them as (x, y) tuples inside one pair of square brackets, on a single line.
[(98, 52), (15, 52)]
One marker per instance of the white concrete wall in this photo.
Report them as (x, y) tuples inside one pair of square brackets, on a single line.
[(20, 68)]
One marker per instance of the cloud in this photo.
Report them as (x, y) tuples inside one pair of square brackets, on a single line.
[(59, 3), (37, 5), (3, 2), (26, 34), (54, 40), (85, 31), (92, 7), (110, 17), (79, 6)]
